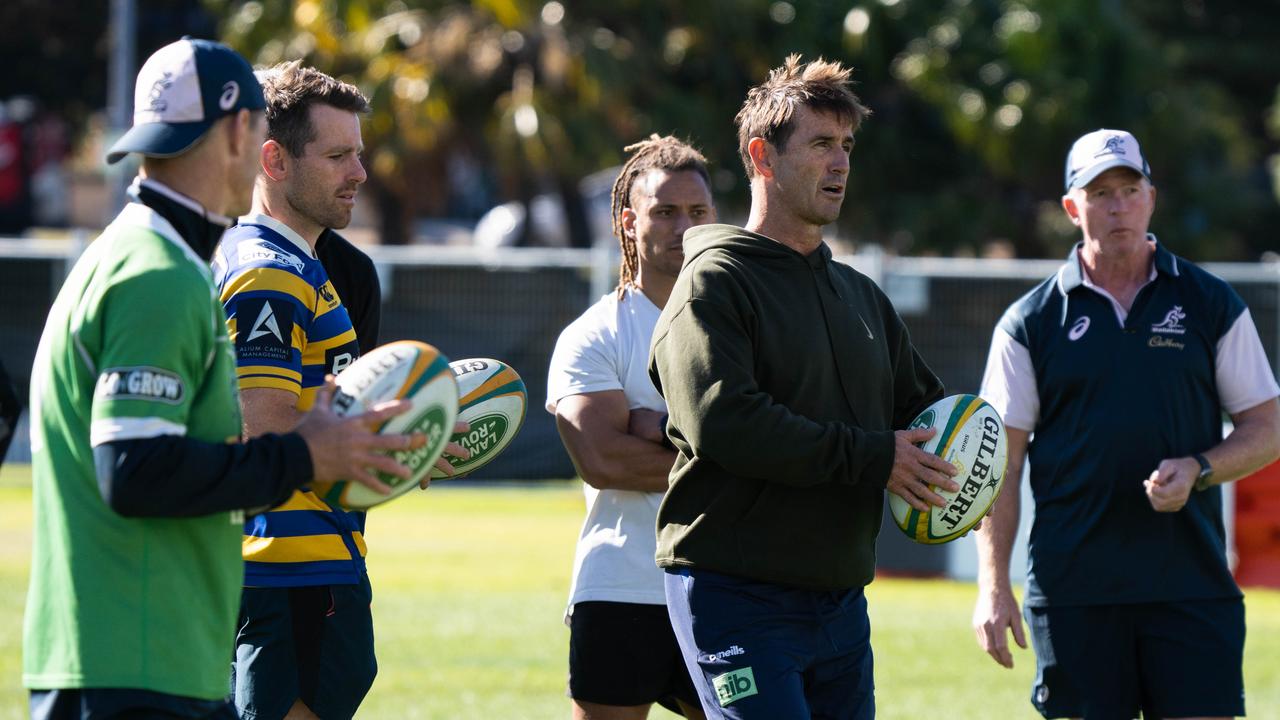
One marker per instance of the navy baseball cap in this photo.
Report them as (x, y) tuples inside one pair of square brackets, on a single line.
[(1101, 150), (182, 90)]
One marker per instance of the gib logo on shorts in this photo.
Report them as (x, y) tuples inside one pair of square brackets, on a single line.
[(734, 685)]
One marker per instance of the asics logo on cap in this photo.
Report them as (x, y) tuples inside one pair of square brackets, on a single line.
[(230, 94)]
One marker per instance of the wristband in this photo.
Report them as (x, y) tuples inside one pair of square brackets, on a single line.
[(1204, 479)]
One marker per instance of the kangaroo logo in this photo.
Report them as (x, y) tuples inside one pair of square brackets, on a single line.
[(155, 97), (1114, 145), (1172, 322)]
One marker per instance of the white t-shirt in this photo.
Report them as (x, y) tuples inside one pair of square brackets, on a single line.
[(607, 348)]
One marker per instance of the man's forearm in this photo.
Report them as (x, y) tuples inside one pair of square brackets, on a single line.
[(1254, 442), (177, 476), (627, 463), (1000, 528), (999, 531), (268, 410)]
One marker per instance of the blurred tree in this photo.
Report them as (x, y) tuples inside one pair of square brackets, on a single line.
[(975, 101), (456, 88)]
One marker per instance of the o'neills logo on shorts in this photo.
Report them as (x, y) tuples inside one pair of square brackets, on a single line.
[(140, 383), (731, 651)]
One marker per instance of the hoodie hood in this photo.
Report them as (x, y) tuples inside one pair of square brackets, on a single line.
[(702, 238), (740, 241)]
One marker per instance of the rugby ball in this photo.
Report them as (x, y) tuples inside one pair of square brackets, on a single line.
[(405, 369), (492, 397), (970, 436)]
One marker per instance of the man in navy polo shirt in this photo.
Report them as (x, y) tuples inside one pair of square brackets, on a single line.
[(1122, 364)]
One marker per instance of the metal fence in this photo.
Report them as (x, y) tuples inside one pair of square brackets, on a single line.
[(512, 303)]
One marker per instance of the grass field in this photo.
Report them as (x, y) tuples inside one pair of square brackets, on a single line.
[(469, 586)]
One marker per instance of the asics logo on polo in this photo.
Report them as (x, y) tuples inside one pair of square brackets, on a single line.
[(1079, 328), (230, 94)]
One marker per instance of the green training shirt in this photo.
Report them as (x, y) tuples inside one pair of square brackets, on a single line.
[(135, 347)]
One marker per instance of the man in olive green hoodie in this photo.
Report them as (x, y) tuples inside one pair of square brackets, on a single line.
[(785, 375)]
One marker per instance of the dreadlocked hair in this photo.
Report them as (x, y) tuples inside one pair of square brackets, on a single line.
[(656, 153)]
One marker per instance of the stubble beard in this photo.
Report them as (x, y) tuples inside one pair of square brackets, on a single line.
[(308, 203), (812, 210), (816, 216)]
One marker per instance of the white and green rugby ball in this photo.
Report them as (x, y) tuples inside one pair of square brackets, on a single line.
[(493, 398), (406, 369), (971, 437)]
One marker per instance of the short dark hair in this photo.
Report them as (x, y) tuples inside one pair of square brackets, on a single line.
[(656, 153), (769, 110), (291, 89)]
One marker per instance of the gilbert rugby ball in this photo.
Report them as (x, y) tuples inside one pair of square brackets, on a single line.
[(492, 397), (970, 436), (405, 369)]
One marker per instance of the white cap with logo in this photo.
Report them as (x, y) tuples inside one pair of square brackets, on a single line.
[(1101, 150), (182, 90)]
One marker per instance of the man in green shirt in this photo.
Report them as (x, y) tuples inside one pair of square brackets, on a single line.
[(140, 483)]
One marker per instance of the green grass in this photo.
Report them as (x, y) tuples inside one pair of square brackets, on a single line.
[(469, 589)]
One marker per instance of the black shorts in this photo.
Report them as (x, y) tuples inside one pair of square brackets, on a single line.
[(124, 704), (626, 654), (308, 643), (1177, 659)]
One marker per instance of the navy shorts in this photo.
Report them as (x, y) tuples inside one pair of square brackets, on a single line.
[(124, 704), (308, 643), (626, 654), (767, 652), (1180, 659)]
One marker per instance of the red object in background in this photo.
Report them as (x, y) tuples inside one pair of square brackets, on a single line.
[(1257, 528), (12, 173)]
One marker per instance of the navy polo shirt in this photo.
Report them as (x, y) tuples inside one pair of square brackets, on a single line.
[(1116, 399)]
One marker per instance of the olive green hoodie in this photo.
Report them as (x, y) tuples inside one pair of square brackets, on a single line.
[(785, 377)]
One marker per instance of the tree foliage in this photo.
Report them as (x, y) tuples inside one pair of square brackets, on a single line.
[(975, 101)]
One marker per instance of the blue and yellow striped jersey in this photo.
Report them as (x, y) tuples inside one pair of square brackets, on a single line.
[(289, 329)]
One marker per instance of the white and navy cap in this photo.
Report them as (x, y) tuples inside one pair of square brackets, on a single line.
[(182, 90), (1101, 150)]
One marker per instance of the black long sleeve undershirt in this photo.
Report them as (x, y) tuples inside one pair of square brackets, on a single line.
[(178, 476), (10, 409), (355, 277)]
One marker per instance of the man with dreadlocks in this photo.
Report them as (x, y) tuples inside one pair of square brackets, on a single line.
[(786, 375), (623, 656)]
